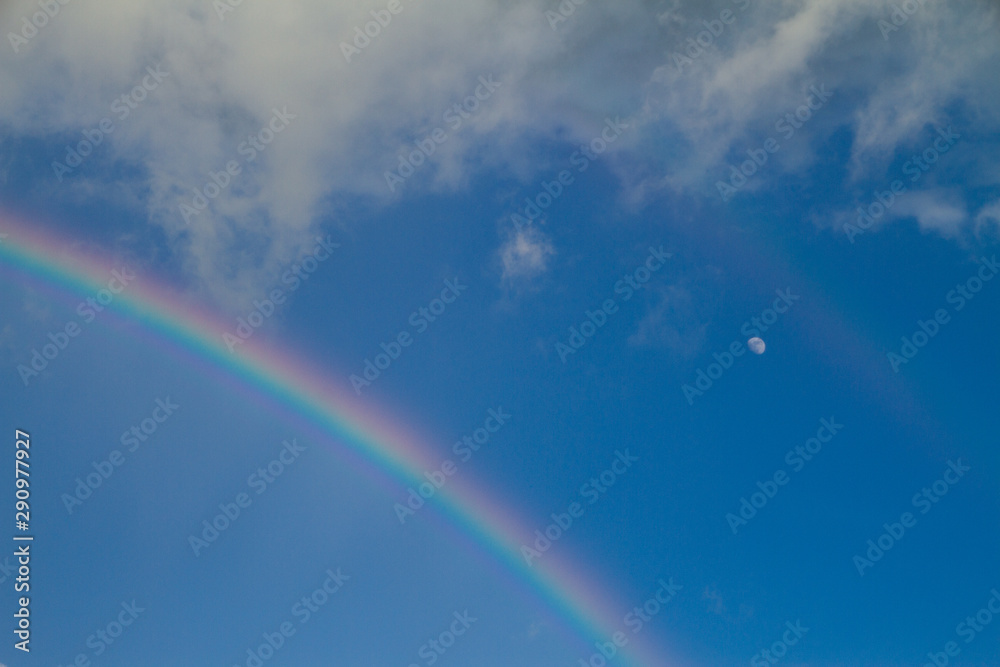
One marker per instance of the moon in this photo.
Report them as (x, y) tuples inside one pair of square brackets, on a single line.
[(756, 345)]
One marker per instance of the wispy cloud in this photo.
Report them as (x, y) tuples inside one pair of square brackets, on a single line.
[(675, 321), (227, 76), (525, 254)]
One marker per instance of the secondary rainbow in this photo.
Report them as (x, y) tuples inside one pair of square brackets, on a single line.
[(587, 611)]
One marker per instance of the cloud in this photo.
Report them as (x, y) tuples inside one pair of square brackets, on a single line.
[(678, 319), (706, 112), (354, 119), (938, 210), (525, 254), (989, 214)]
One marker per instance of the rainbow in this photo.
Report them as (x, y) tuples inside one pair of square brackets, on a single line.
[(581, 607)]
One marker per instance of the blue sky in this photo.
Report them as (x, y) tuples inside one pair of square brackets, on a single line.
[(622, 144)]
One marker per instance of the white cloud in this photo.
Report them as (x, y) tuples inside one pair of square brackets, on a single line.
[(525, 254), (941, 62), (939, 210), (354, 119), (225, 77), (989, 214)]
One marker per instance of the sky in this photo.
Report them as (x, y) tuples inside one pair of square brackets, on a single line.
[(406, 333)]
